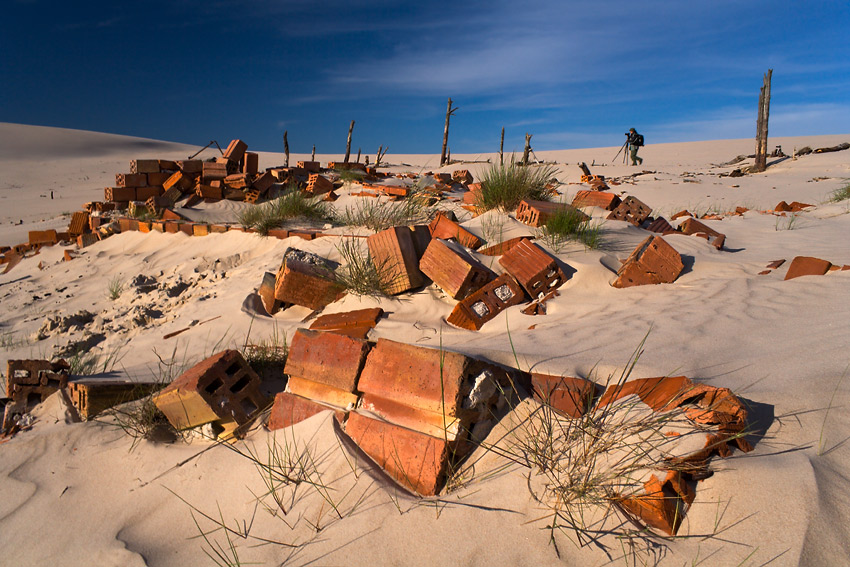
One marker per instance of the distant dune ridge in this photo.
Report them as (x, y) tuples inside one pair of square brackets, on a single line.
[(78, 494)]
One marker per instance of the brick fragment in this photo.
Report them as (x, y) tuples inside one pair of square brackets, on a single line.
[(652, 262), (191, 167), (604, 200), (453, 269), (570, 396), (394, 252), (220, 388), (445, 228), (782, 207), (167, 165), (91, 396), (632, 211), (775, 264), (263, 182), (662, 505), (144, 166), (87, 239), (533, 268), (306, 279), (536, 213), (797, 206), (29, 382), (692, 226), (266, 292), (502, 247), (807, 266), (289, 409), (462, 176), (131, 179), (238, 181), (483, 305), (356, 323), (681, 214)]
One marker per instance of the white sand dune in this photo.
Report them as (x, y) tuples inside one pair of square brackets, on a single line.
[(78, 494)]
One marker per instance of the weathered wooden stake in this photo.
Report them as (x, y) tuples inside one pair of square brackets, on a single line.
[(761, 124), (381, 153), (502, 148), (286, 148), (348, 144), (313, 156), (527, 149), (358, 155), (449, 112)]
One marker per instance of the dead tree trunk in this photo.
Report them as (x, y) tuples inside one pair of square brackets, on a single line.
[(348, 144), (381, 153), (761, 124), (358, 156), (527, 149), (313, 155), (502, 148), (449, 112), (286, 148)]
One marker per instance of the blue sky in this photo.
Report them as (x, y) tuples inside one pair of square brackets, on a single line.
[(572, 73)]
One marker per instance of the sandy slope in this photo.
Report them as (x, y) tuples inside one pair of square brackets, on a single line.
[(76, 494)]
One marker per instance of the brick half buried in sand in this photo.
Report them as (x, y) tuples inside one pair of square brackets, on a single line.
[(355, 323), (632, 211), (483, 305), (691, 226), (91, 396), (602, 199), (306, 279), (445, 228), (536, 213), (807, 266), (535, 270), (453, 269), (328, 358), (394, 252), (652, 262), (221, 388), (289, 409), (570, 396), (416, 461), (662, 505)]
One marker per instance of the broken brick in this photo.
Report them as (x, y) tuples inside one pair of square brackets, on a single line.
[(289, 409), (318, 184), (179, 181), (310, 166), (660, 226), (394, 252), (775, 264), (502, 247), (807, 266), (681, 214), (453, 269), (327, 358), (221, 388), (692, 226), (355, 323), (483, 305), (87, 239), (632, 211), (654, 261), (462, 176), (570, 396), (445, 228), (266, 292), (533, 268), (662, 505), (263, 182), (536, 213), (191, 167), (607, 201), (91, 396)]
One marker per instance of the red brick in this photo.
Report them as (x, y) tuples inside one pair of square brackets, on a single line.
[(328, 358), (775, 264), (304, 283), (251, 164), (191, 167), (607, 201), (131, 179), (570, 396), (212, 171), (91, 396), (483, 305), (266, 292), (632, 211), (43, 237), (416, 461), (692, 226), (782, 207), (310, 166), (807, 266), (797, 206), (144, 166), (235, 150), (453, 270), (662, 505), (220, 388), (79, 223), (445, 228), (178, 180), (263, 182), (660, 226), (157, 179), (208, 192), (85, 240), (357, 321), (145, 193), (318, 184), (652, 262), (27, 380), (119, 194), (200, 229), (340, 165), (536, 213), (502, 247), (289, 409), (462, 176), (533, 268), (394, 252), (681, 214), (167, 165)]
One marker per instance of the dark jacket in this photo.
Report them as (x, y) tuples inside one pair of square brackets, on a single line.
[(633, 138)]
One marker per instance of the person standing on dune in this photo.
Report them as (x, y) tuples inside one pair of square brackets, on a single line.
[(635, 141)]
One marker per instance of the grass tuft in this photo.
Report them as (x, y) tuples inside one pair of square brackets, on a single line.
[(503, 186), (840, 194), (359, 274), (570, 224), (378, 215), (292, 203)]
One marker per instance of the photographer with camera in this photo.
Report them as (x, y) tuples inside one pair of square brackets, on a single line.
[(634, 140)]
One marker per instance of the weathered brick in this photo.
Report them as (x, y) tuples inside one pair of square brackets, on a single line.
[(533, 268), (607, 201), (417, 461), (131, 179), (251, 163), (263, 182), (144, 166), (289, 409), (342, 166), (212, 171), (238, 181), (91, 396), (87, 239), (317, 184), (537, 213), (445, 228), (394, 252), (43, 237), (462, 176), (483, 305), (266, 292), (328, 358), (632, 211), (179, 181), (807, 266), (692, 226), (220, 388), (167, 165), (570, 396), (231, 165), (652, 262), (79, 223), (310, 166), (356, 323), (208, 192), (191, 167), (200, 229), (235, 150), (453, 270), (662, 505), (502, 247), (305, 279)]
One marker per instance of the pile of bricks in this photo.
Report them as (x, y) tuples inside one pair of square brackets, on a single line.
[(28, 383)]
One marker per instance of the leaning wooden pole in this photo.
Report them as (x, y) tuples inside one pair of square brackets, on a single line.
[(348, 144), (313, 155), (502, 148), (761, 124), (286, 148), (527, 150), (449, 112)]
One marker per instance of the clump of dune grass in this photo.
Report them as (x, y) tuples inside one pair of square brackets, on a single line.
[(378, 215), (350, 175), (503, 186), (840, 194), (291, 203), (360, 274), (571, 225)]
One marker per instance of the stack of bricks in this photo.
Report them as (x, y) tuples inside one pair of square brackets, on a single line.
[(222, 390), (30, 382)]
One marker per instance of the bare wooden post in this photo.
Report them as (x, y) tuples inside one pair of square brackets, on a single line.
[(381, 153), (358, 156), (348, 144), (527, 149), (286, 148), (761, 124), (502, 148), (448, 155), (449, 112), (313, 156)]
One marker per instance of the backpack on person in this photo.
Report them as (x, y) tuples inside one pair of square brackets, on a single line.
[(638, 140)]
